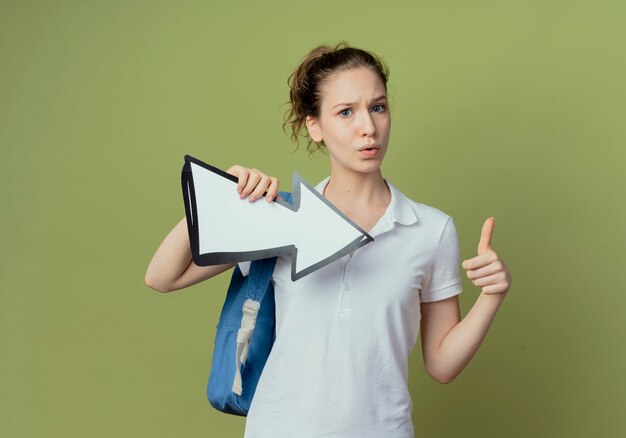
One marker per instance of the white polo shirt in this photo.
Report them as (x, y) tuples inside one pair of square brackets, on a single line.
[(339, 365)]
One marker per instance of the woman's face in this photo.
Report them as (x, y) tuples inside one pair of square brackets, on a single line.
[(354, 120)]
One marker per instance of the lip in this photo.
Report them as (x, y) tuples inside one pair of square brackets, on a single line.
[(369, 151)]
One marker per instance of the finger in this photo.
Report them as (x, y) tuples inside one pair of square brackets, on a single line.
[(496, 288), (242, 178), (253, 180), (485, 236), (489, 280), (272, 190), (491, 268), (480, 260), (236, 171), (260, 188)]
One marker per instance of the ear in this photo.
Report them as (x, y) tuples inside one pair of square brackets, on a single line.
[(314, 128)]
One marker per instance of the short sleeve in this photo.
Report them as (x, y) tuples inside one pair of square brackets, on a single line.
[(244, 267), (444, 279)]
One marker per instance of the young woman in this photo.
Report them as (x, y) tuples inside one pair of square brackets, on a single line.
[(339, 365)]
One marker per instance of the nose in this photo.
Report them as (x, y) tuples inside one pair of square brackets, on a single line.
[(367, 125)]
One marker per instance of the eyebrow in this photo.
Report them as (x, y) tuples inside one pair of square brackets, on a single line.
[(379, 98)]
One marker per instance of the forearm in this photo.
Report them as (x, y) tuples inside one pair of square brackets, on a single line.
[(462, 342)]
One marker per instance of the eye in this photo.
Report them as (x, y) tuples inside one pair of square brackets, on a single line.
[(379, 108), (345, 112)]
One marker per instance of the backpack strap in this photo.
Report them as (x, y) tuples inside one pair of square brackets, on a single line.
[(257, 284)]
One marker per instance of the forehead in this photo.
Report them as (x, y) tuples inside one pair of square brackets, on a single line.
[(351, 86)]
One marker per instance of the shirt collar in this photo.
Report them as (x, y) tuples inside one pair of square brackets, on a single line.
[(399, 209)]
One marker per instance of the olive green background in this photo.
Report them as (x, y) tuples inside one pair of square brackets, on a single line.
[(510, 109)]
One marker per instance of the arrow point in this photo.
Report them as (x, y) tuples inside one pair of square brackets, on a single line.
[(325, 233)]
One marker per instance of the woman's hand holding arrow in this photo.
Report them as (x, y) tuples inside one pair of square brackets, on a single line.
[(253, 183)]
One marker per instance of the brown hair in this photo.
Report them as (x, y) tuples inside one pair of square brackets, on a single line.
[(306, 80)]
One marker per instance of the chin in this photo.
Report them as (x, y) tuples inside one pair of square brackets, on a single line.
[(369, 167)]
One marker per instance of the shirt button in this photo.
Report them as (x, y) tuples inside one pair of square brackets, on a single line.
[(347, 287)]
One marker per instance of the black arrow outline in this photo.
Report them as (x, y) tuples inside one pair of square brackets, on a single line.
[(216, 258)]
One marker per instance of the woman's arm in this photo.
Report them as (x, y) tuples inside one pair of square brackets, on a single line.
[(449, 343), (172, 267)]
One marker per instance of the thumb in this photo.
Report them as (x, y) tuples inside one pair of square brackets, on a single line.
[(485, 236)]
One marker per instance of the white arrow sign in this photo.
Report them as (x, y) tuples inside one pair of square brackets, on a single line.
[(226, 229)]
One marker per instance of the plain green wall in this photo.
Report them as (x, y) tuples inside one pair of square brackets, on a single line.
[(510, 109)]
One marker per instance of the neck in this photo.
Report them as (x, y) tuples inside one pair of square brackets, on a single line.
[(357, 189)]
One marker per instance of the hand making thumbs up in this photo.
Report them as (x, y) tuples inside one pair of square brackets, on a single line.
[(487, 270)]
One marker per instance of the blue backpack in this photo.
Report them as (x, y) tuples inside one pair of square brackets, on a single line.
[(244, 338)]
